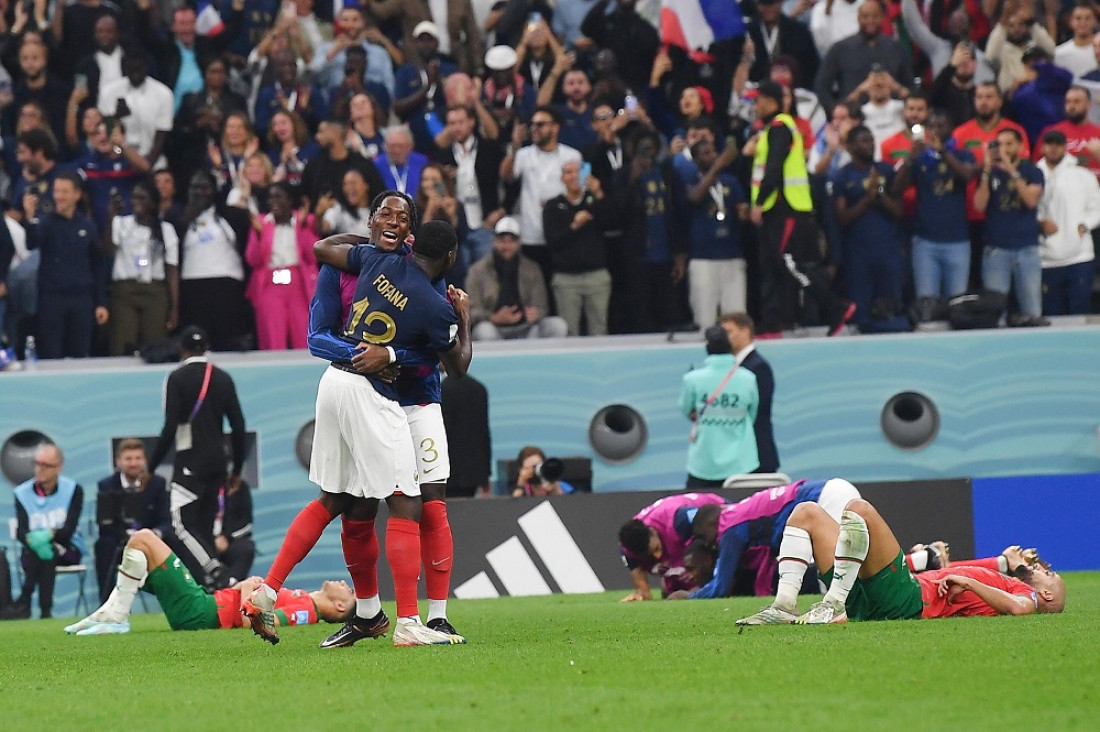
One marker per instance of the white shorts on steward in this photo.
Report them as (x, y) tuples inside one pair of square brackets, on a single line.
[(433, 461), (361, 440)]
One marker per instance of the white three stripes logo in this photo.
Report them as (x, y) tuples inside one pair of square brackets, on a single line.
[(517, 571)]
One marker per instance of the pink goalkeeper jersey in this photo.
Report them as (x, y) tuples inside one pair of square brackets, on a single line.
[(763, 503), (660, 516)]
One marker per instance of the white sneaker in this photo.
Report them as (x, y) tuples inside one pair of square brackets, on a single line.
[(409, 633), (823, 613), (98, 616), (107, 628), (771, 615)]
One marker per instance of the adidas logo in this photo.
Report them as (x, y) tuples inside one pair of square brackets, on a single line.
[(516, 571)]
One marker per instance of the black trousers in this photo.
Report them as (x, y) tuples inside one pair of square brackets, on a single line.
[(66, 322), (194, 501), (41, 574), (238, 558)]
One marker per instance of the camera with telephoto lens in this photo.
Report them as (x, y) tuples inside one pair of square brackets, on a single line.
[(550, 470)]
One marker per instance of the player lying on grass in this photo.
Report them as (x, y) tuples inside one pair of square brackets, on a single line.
[(868, 579), (147, 561)]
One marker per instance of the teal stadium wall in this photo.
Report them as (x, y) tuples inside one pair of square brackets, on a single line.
[(1011, 403)]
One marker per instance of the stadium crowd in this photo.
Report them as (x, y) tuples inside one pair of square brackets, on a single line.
[(167, 164)]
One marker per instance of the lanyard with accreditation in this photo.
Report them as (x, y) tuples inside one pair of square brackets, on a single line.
[(708, 402)]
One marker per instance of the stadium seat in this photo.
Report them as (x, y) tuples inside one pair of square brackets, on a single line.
[(80, 571), (757, 481)]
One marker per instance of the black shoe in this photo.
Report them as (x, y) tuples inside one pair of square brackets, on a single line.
[(16, 611), (440, 625), (356, 630)]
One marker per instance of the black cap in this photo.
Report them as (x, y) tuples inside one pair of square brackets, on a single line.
[(193, 339), (718, 340), (770, 89), (1055, 137)]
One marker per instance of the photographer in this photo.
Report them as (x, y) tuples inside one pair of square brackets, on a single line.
[(539, 476)]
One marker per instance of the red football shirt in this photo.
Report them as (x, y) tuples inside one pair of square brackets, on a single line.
[(972, 137), (1077, 143), (966, 603), (894, 149), (294, 607)]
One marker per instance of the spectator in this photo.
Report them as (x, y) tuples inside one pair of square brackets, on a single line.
[(144, 290), (867, 210), (419, 99), (289, 93), (350, 213), (461, 91), (830, 151), (462, 39), (530, 481), (365, 122), (16, 284), (722, 401), (212, 243), (941, 50), (774, 35), (145, 104), (39, 85), (289, 147), (238, 143), (284, 272), (1091, 80), (81, 122), (508, 18), (1076, 54), (435, 200), (36, 152), (257, 17), (849, 62), (1009, 39), (536, 53), (465, 405), (69, 26), (741, 330), (201, 116), (250, 192), (628, 36), (1078, 131), (940, 171), (575, 110), (508, 297), (717, 281), (351, 31), (110, 171), (47, 510), (127, 500), (538, 168), (1038, 100), (1068, 211), (71, 282), (568, 16), (233, 532), (574, 223), (1008, 191), (953, 89), (882, 114), (183, 58), (99, 69), (327, 167), (506, 94), (170, 209), (899, 146), (476, 162), (832, 22), (355, 82), (400, 166)]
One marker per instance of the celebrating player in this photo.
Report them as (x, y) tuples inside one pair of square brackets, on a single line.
[(362, 448), (419, 395), (868, 578), (148, 561)]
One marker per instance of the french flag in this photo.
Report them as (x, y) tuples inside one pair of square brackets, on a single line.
[(695, 24), (208, 22)]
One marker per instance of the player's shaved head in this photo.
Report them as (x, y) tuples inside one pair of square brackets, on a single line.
[(436, 240)]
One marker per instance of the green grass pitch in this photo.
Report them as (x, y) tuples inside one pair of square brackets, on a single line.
[(582, 662)]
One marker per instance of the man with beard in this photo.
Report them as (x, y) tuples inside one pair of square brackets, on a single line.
[(953, 88), (852, 60), (1078, 130), (576, 111)]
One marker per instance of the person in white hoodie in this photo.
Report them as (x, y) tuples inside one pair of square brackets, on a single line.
[(1068, 211)]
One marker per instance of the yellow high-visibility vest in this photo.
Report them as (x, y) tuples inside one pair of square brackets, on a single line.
[(796, 179)]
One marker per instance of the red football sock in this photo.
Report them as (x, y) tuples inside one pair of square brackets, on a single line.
[(360, 544), (436, 549), (301, 536), (403, 554)]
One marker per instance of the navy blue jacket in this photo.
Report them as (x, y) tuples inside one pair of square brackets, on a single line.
[(765, 385), (70, 255)]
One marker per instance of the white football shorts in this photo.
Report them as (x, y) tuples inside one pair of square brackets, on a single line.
[(835, 495), (361, 440), (429, 440)]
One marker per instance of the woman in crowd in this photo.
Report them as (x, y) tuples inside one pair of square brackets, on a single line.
[(250, 191), (289, 147), (238, 142), (350, 214), (365, 126)]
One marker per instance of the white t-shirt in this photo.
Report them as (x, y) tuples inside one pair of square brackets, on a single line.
[(138, 256), (210, 249), (151, 107), (1078, 60), (540, 180), (841, 22), (339, 221), (884, 120)]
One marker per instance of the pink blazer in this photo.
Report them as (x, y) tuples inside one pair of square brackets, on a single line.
[(258, 256)]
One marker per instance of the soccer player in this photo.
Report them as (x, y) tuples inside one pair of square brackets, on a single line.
[(868, 578), (419, 395), (362, 449), (148, 562), (652, 544)]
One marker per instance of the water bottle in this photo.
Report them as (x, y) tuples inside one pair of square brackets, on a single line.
[(30, 354)]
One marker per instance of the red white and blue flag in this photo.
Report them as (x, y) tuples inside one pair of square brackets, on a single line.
[(208, 22), (694, 25)]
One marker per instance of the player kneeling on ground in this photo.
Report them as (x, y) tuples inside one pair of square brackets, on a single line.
[(868, 578), (149, 562)]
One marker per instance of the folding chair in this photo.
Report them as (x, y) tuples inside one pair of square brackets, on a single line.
[(80, 571), (759, 481)]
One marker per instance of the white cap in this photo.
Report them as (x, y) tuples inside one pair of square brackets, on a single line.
[(507, 225), (500, 58), (426, 26)]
